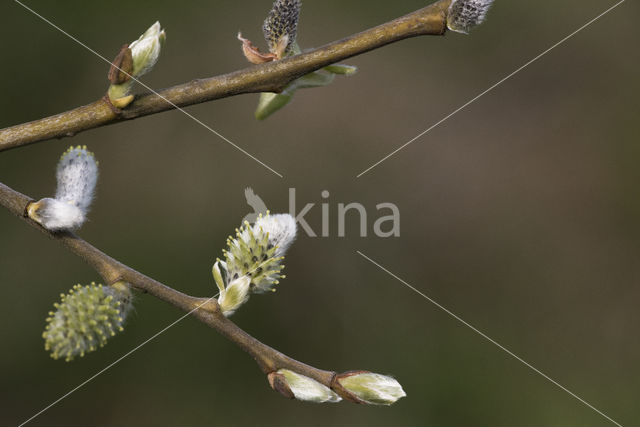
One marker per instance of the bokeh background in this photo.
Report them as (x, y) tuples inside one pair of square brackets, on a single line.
[(521, 214)]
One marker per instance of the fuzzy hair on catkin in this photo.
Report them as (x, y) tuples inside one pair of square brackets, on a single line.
[(85, 319), (280, 228), (282, 21), (77, 176), (463, 15)]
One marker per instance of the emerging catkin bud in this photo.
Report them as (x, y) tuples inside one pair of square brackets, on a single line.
[(86, 318), (233, 295), (77, 175), (463, 15), (280, 230), (281, 26), (370, 388), (253, 260), (257, 251), (280, 29), (133, 61), (293, 385), (146, 50)]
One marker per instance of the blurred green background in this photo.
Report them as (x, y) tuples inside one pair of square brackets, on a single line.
[(520, 214)]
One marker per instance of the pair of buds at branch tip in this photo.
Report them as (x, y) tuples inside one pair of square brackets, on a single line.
[(253, 264), (356, 386), (88, 316)]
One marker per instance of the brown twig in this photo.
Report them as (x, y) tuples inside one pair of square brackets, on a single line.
[(204, 309), (268, 77)]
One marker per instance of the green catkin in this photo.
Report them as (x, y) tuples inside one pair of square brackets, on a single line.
[(85, 319), (250, 253)]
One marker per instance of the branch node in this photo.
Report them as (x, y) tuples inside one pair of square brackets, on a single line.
[(117, 111)]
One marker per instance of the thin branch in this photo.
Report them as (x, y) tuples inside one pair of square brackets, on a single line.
[(268, 77), (206, 310)]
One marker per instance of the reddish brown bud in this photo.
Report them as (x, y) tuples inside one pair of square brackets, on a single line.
[(121, 67), (279, 384)]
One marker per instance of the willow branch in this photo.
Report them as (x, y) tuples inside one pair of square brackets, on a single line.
[(268, 77), (206, 310)]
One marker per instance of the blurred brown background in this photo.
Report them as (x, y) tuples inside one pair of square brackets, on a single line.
[(520, 214)]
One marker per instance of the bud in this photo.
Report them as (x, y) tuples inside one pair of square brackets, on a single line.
[(134, 61), (121, 67), (270, 102), (236, 294), (463, 15), (294, 385), (370, 388), (341, 69), (85, 319), (77, 175), (146, 50)]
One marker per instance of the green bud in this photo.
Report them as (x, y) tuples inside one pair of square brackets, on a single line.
[(218, 268), (86, 318), (236, 294), (269, 102), (292, 384), (134, 60), (371, 388), (146, 50)]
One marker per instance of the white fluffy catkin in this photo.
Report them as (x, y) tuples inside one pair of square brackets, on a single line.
[(77, 175), (281, 229), (463, 15)]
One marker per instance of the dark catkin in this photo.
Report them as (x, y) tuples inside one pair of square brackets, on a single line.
[(282, 21), (465, 14)]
